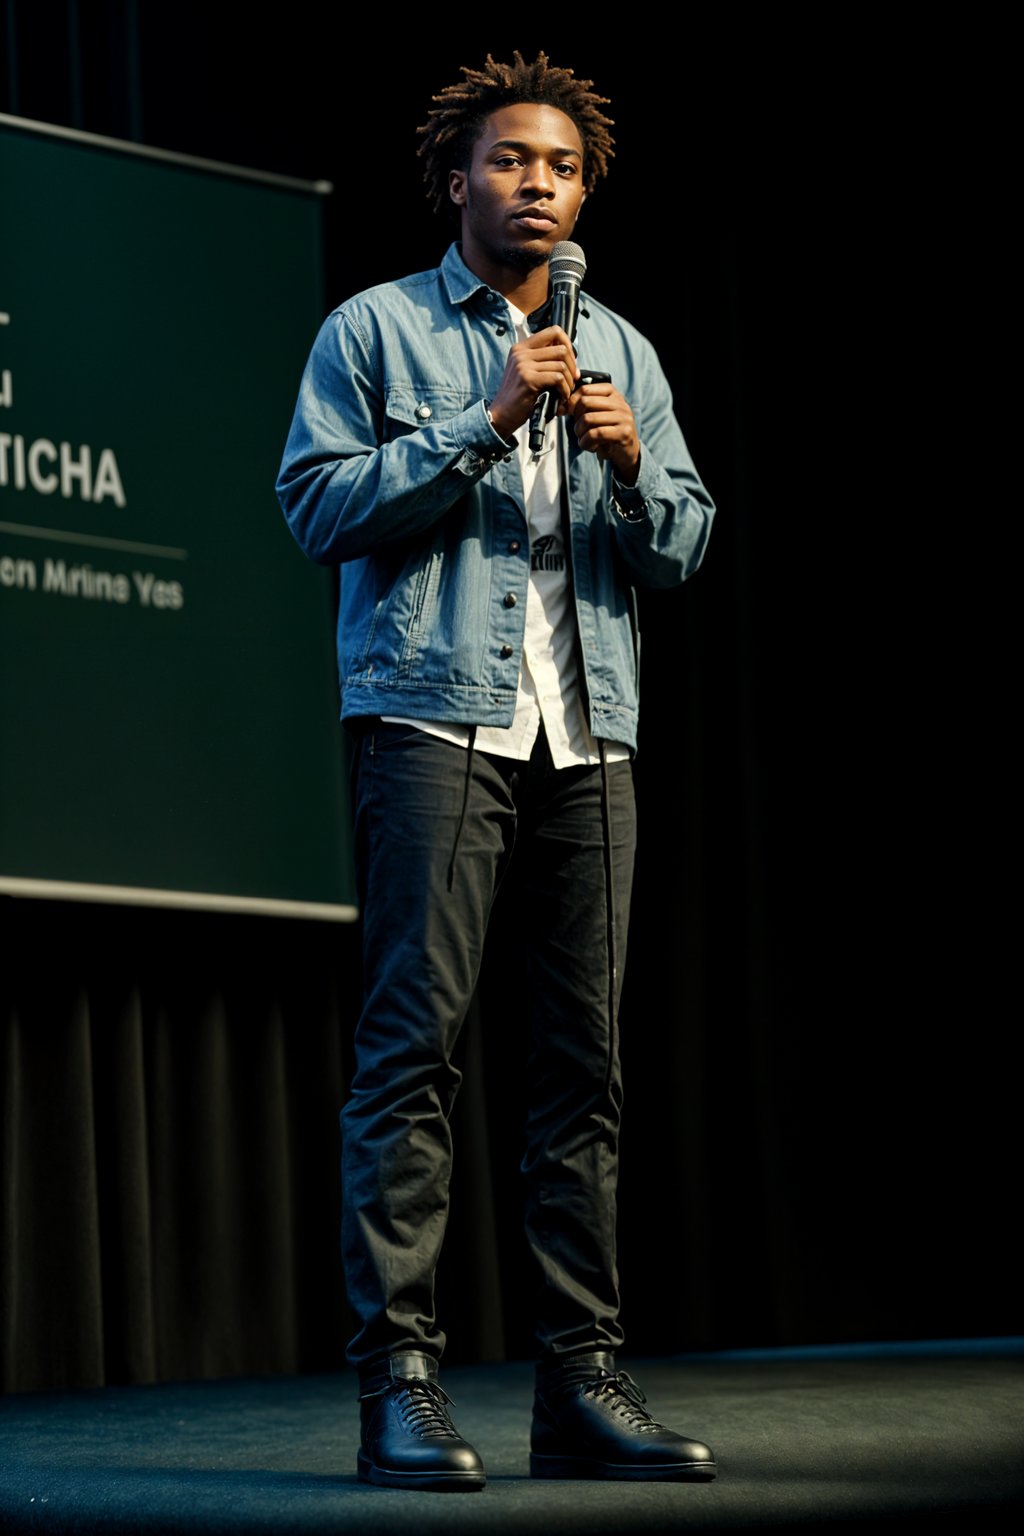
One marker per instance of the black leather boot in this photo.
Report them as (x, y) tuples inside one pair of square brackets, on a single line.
[(408, 1438), (589, 1421)]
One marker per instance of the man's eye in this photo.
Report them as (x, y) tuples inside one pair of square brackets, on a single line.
[(507, 160), (566, 168)]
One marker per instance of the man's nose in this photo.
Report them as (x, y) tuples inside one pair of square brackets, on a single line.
[(539, 177)]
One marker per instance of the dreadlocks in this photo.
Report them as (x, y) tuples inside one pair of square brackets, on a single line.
[(456, 122)]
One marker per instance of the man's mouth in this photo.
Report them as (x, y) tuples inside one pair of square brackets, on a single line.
[(535, 218)]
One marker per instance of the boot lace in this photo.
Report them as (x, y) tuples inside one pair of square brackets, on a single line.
[(621, 1393), (423, 1408)]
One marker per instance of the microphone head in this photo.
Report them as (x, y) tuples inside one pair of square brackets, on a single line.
[(567, 263)]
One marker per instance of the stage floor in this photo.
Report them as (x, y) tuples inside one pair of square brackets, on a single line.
[(923, 1435)]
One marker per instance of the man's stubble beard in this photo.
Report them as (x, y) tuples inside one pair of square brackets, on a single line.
[(521, 260)]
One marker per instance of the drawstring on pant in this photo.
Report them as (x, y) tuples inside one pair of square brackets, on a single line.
[(465, 803)]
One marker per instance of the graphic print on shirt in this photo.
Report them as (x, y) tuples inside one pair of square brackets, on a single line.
[(547, 554)]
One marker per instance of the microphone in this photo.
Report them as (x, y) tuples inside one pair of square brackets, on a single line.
[(565, 269)]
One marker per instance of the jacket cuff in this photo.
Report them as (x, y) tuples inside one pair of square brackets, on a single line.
[(485, 446)]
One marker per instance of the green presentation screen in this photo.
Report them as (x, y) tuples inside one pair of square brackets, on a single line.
[(168, 698)]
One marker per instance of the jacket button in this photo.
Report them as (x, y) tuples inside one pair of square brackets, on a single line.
[(514, 547), (505, 652), (423, 413), (510, 599)]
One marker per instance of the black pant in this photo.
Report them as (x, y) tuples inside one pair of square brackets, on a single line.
[(435, 828)]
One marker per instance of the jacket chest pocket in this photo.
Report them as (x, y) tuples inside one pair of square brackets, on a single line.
[(412, 407)]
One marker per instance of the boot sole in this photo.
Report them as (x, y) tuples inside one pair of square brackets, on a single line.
[(624, 1472)]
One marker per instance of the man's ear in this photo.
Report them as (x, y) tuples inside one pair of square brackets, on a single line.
[(579, 210), (457, 187)]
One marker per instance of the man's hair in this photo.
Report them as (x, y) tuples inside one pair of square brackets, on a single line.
[(456, 123)]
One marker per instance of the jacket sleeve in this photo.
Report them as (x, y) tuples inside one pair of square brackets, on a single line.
[(352, 479), (660, 525)]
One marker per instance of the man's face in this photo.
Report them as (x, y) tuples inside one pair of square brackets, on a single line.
[(523, 190)]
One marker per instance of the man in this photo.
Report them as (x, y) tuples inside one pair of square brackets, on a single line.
[(488, 659)]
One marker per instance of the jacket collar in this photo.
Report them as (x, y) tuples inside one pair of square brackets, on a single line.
[(461, 285)]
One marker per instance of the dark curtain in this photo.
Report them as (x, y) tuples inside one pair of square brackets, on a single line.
[(819, 1016), (170, 1146)]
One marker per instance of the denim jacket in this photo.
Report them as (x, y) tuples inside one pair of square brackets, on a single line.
[(393, 470)]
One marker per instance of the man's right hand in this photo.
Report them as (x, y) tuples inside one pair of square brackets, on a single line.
[(546, 360)]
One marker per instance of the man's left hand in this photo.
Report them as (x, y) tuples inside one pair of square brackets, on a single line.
[(604, 425)]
